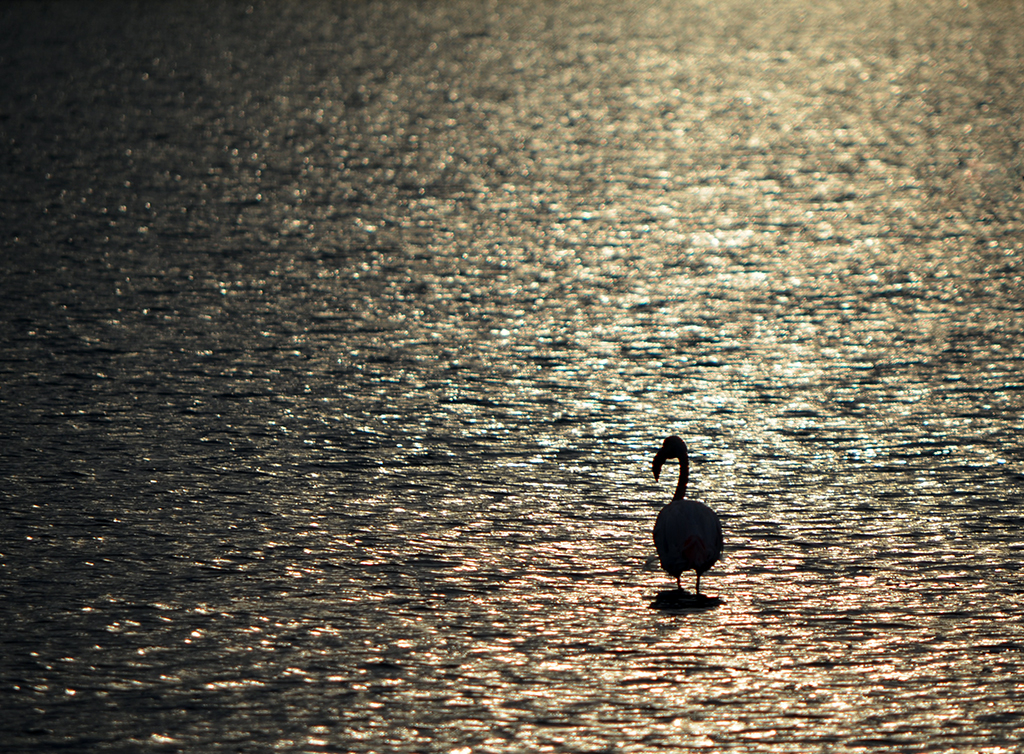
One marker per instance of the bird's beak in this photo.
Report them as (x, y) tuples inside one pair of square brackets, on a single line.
[(659, 461)]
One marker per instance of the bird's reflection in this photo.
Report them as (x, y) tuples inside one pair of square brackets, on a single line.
[(680, 600)]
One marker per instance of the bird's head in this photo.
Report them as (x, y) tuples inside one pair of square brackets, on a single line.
[(673, 447)]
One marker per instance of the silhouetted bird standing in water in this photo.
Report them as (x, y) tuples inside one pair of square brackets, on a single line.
[(688, 534)]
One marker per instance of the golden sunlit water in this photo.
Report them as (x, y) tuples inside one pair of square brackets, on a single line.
[(338, 340)]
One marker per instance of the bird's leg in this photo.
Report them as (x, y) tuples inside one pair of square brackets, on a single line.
[(698, 584), (679, 584)]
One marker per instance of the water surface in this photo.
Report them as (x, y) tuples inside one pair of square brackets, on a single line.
[(338, 340)]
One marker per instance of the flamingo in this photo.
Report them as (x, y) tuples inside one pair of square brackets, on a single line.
[(688, 534)]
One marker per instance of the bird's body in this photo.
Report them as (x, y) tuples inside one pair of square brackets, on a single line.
[(687, 534)]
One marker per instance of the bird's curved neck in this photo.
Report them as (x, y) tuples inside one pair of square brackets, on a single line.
[(684, 476)]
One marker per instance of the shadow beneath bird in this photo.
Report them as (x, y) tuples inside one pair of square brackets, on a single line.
[(680, 599)]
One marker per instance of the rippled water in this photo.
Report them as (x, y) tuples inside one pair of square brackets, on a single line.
[(338, 339)]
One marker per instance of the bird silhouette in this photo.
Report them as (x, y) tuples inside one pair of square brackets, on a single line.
[(687, 534)]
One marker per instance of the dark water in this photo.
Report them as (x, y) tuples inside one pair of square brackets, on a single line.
[(338, 338)]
